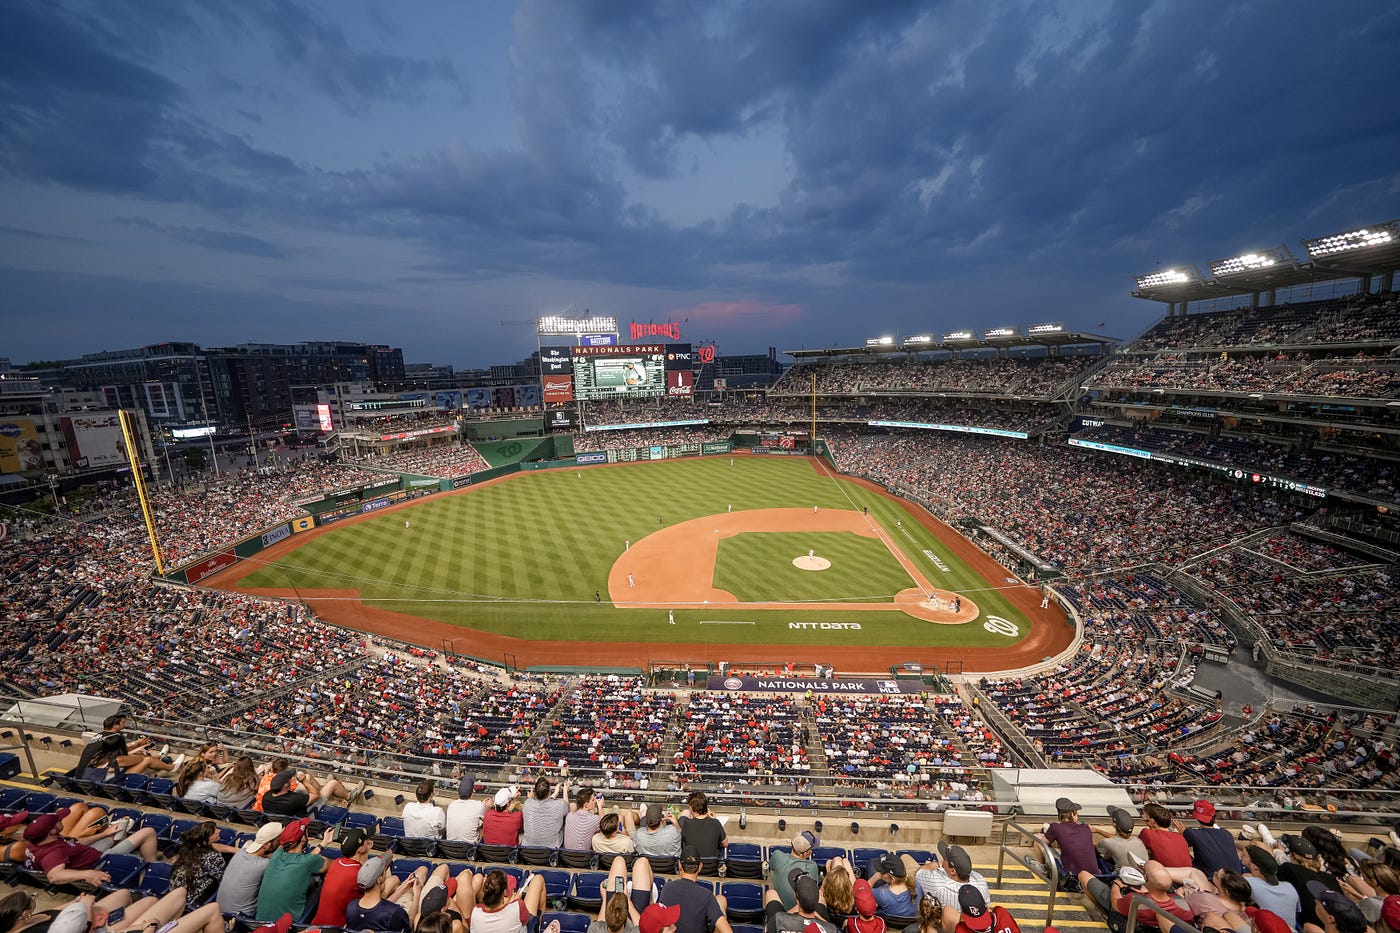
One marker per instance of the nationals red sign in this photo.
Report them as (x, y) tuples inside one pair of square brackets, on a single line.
[(671, 330), (680, 382)]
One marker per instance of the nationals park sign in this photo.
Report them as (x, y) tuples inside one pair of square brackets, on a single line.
[(802, 685)]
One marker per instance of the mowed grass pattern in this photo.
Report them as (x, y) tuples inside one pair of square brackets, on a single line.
[(524, 557), (757, 567)]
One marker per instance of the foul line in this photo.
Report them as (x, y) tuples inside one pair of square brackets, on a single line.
[(725, 622)]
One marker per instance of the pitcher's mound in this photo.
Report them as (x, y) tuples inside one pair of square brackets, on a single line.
[(810, 563)]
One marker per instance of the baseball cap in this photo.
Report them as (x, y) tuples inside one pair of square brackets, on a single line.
[(503, 796), (434, 899), (1263, 860), (266, 833), (1390, 911), (1266, 921), (9, 820), (690, 858), (657, 918), (1345, 914), (956, 858), (1132, 877), (370, 872), (1297, 845), (865, 899), (889, 863), (352, 840), (467, 787), (805, 889), (281, 779), (1064, 805), (44, 824), (293, 831), (804, 842), (1204, 811), (973, 905), (1122, 819)]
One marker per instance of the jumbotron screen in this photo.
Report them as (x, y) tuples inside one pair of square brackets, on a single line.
[(608, 372)]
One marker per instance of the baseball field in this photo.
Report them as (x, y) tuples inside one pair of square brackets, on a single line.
[(749, 556)]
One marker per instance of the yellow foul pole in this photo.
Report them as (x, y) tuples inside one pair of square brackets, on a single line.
[(814, 414), (133, 456)]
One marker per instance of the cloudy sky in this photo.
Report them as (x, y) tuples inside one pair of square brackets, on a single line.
[(787, 172)]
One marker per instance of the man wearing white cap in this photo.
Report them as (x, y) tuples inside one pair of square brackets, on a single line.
[(502, 823), (238, 891)]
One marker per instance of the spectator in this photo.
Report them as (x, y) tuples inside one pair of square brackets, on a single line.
[(889, 883), (944, 881), (1303, 868), (582, 823), (1153, 881), (198, 781), (781, 865), (1119, 847), (131, 757), (655, 919), (64, 862), (609, 839), (386, 905), (1212, 848), (502, 824), (342, 883), (1269, 892), (198, 865), (1336, 913), (701, 829), (505, 910), (239, 787), (422, 817), (804, 913), (976, 917), (1074, 841), (238, 889), (289, 872), (659, 835), (702, 911), (544, 812), (1163, 839), (865, 920), (290, 792), (464, 815)]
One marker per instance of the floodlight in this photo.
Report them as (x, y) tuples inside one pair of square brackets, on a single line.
[(1038, 329), (1248, 262), (555, 325), (958, 335), (999, 332), (1364, 238), (879, 342), (921, 338), (1167, 277)]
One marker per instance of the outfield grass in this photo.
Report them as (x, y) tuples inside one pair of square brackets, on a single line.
[(757, 567), (524, 557)]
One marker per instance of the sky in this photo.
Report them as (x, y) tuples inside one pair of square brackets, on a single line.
[(794, 173)]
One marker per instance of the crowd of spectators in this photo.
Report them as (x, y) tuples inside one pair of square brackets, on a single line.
[(1361, 376), (1352, 319), (401, 423), (1035, 377), (594, 441), (605, 724), (749, 739), (444, 460)]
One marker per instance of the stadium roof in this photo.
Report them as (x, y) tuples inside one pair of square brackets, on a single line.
[(949, 342), (1371, 250)]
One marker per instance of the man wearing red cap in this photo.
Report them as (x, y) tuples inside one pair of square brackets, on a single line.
[(1212, 848), (289, 872), (63, 861), (974, 916), (658, 919)]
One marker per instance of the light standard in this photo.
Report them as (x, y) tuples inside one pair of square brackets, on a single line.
[(52, 479)]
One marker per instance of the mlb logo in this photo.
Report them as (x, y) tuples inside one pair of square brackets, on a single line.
[(887, 686)]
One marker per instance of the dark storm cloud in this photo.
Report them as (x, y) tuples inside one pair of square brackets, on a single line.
[(39, 235)]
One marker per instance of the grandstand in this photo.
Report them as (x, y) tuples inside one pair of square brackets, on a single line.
[(1213, 503)]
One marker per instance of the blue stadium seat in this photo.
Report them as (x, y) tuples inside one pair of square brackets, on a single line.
[(745, 901), (744, 860), (587, 891), (568, 922), (155, 880), (401, 868), (124, 870)]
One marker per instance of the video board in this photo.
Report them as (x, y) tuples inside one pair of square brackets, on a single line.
[(604, 372)]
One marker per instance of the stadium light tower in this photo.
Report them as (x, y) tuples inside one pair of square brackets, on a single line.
[(1179, 275), (1349, 241), (1254, 261)]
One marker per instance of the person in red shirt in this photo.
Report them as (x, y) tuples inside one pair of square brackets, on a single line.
[(977, 917), (342, 885), (1163, 838), (503, 823)]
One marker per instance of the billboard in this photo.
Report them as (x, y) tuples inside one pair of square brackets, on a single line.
[(323, 418), (209, 566), (94, 440), (561, 419), (597, 340), (478, 398), (679, 356), (527, 396), (20, 450), (556, 360), (680, 382), (558, 389)]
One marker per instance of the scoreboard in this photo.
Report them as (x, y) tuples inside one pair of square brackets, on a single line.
[(617, 371)]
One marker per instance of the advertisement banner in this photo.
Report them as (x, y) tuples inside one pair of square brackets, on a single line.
[(597, 340), (20, 451), (527, 396), (555, 361), (680, 382), (503, 396), (209, 566), (305, 523), (679, 356), (657, 452), (460, 481), (558, 389), (778, 684), (561, 420), (323, 418), (596, 457), (270, 538), (721, 383), (375, 505), (717, 447), (478, 398)]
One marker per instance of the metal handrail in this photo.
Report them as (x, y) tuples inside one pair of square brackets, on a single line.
[(1051, 873), (1142, 901)]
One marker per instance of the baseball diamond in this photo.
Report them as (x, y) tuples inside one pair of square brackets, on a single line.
[(512, 566)]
